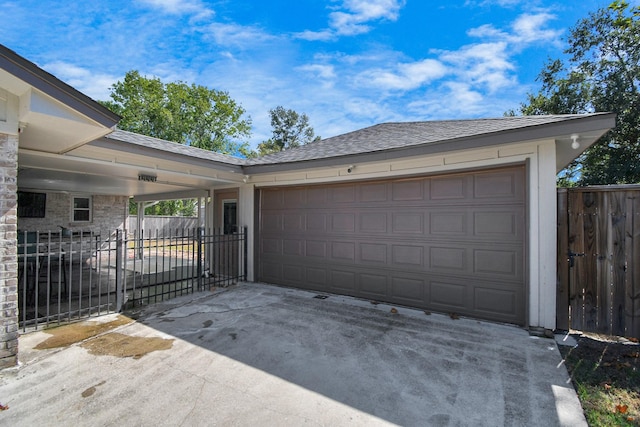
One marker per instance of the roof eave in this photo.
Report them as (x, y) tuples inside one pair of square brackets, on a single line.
[(127, 147), (564, 128), (47, 83)]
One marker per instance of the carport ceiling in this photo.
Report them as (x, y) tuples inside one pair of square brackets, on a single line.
[(92, 170)]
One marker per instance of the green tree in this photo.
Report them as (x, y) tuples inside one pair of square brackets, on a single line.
[(187, 114), (290, 129), (601, 73)]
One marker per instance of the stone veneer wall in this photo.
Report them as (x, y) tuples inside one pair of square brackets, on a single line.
[(109, 214), (8, 251)]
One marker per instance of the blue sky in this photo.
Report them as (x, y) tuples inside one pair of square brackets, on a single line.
[(347, 64)]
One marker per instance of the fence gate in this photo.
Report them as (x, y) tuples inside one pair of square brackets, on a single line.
[(63, 277), (599, 260)]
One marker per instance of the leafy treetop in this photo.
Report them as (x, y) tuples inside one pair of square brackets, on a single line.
[(290, 129), (187, 114), (601, 74)]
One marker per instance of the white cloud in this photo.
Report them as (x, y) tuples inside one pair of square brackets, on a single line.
[(453, 99), (323, 35), (364, 110), (238, 36), (326, 72), (354, 17), (181, 7), (530, 28), (405, 76), (463, 95), (487, 31), (94, 85), (501, 3), (527, 29), (484, 64)]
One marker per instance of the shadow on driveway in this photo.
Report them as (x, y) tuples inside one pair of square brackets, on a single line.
[(256, 354)]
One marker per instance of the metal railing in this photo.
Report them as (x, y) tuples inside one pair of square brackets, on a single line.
[(74, 274), (64, 276)]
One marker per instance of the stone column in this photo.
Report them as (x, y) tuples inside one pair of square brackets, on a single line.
[(8, 250)]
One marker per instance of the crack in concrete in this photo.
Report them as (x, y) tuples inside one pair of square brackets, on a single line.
[(195, 403)]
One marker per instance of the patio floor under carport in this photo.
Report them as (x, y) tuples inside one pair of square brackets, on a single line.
[(254, 354)]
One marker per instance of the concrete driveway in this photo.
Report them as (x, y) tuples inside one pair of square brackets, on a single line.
[(261, 355)]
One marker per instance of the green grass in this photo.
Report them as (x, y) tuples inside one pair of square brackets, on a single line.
[(607, 380)]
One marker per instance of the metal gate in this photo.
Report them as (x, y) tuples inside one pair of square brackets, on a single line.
[(70, 275), (161, 266), (599, 260)]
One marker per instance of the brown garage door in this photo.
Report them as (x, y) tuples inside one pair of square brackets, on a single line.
[(451, 243)]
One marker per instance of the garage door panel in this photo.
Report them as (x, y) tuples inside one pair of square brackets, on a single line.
[(293, 247), (451, 243), (407, 190), (293, 222), (373, 222), (498, 303), (373, 253), (497, 263), (407, 289), (499, 185), (404, 255), (317, 197), (271, 221), (478, 298), (316, 277), (374, 285), (495, 224), (448, 188), (373, 192), (271, 246), (449, 259), (271, 271), (315, 248), (316, 222), (273, 199), (448, 223), (342, 194), (343, 251), (408, 222), (292, 273), (499, 224), (452, 296), (342, 281), (343, 223)]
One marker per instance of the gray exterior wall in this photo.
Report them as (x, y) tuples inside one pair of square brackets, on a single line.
[(109, 213), (8, 251)]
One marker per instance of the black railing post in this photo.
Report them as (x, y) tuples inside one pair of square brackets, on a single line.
[(119, 272), (244, 243), (199, 269)]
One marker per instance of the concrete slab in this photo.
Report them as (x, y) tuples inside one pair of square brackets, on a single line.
[(566, 339), (262, 355)]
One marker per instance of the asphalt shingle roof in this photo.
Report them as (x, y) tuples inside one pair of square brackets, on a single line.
[(173, 147), (389, 136), (377, 138)]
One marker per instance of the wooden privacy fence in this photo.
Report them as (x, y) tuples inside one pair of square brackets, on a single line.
[(599, 260)]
